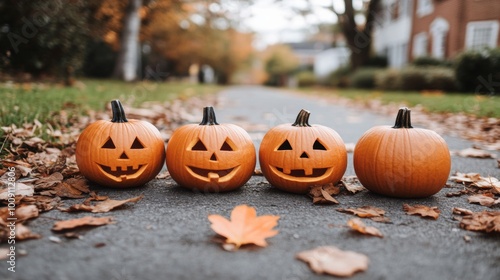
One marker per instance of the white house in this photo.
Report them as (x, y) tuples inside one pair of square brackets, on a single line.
[(392, 31), (330, 60)]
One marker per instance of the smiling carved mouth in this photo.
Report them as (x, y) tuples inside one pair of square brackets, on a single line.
[(212, 175), (316, 172), (126, 173)]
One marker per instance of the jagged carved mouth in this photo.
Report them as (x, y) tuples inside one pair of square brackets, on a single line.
[(210, 174), (316, 172), (120, 173), (303, 175)]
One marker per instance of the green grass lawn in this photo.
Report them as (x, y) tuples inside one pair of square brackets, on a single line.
[(472, 104), (25, 103)]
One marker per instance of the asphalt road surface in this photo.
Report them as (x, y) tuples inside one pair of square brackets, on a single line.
[(167, 235)]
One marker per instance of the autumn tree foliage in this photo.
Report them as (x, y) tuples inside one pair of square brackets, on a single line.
[(43, 36)]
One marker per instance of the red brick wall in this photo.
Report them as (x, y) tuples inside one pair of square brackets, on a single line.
[(457, 13)]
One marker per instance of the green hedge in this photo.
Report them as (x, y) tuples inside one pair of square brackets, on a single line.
[(306, 79), (478, 71), (416, 79)]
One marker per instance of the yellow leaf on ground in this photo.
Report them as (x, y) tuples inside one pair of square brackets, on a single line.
[(245, 227)]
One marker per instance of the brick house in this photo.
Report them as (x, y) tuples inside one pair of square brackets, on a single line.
[(445, 28), (407, 29)]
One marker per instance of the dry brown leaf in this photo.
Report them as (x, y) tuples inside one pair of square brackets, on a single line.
[(475, 153), (323, 194), (26, 212), (422, 210), (81, 222), (43, 203), (24, 233), (79, 183), (48, 182), (102, 206), (461, 211), (483, 199), (245, 227), (21, 190), (357, 225), (352, 184), (466, 177), (163, 175), (381, 219), (333, 261), (488, 183), (364, 211), (482, 221)]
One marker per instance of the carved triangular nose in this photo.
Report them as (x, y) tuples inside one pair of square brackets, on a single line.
[(304, 155), (213, 157), (123, 156)]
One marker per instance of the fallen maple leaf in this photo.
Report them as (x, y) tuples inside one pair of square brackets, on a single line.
[(101, 207), (364, 211), (245, 227), (322, 194), (422, 210), (482, 221), (85, 221), (357, 225), (333, 261), (352, 184), (484, 200)]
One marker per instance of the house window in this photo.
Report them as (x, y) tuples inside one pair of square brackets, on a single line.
[(424, 7), (420, 43), (481, 34), (439, 30)]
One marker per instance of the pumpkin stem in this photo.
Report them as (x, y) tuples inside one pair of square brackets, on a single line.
[(403, 119), (208, 116), (302, 119), (118, 112)]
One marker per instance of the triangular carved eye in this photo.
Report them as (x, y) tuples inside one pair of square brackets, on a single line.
[(137, 144), (226, 146), (109, 144), (199, 146), (285, 146), (318, 146)]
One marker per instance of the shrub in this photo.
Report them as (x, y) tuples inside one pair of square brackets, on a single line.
[(306, 79), (417, 78), (389, 79), (440, 78), (340, 77), (364, 78), (470, 67), (413, 78), (429, 61)]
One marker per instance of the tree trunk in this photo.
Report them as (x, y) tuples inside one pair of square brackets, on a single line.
[(359, 40), (128, 56)]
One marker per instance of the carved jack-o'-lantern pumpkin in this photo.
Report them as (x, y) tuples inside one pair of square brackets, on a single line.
[(120, 153), (210, 157), (295, 156)]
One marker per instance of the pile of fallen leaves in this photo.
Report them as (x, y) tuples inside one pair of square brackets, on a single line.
[(45, 172)]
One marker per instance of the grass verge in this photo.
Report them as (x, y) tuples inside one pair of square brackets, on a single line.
[(435, 102), (25, 103)]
